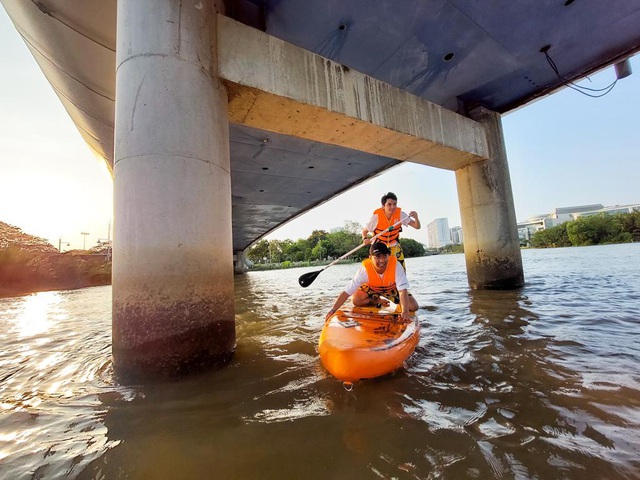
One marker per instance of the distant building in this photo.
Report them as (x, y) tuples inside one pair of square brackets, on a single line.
[(564, 214), (609, 210), (438, 233), (527, 229), (456, 235)]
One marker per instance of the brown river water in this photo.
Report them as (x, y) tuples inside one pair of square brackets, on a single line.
[(538, 383)]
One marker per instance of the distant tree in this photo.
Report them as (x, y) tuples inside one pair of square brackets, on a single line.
[(342, 242), (319, 252), (593, 230), (352, 227), (411, 247), (285, 247), (630, 223), (551, 237), (452, 248), (276, 251), (321, 245), (458, 248), (258, 252), (298, 251), (316, 236)]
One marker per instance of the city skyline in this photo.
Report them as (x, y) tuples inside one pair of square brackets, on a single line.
[(564, 149)]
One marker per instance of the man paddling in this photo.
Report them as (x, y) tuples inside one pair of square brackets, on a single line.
[(386, 216), (380, 278)]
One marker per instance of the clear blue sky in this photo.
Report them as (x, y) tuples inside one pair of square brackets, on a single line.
[(566, 149)]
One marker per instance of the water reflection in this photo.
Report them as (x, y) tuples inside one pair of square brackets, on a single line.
[(36, 313)]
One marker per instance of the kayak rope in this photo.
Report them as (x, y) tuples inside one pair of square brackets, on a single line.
[(348, 386)]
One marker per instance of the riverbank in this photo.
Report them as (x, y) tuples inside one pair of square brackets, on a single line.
[(23, 272), (30, 264), (285, 265), (255, 267)]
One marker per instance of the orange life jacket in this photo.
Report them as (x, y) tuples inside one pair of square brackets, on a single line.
[(384, 224), (385, 284)]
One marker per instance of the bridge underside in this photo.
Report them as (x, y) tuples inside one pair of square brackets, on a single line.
[(454, 54), (276, 177)]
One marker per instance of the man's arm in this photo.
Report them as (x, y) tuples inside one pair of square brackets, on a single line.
[(369, 228), (405, 304), (415, 221), (401, 278), (365, 236), (337, 304), (358, 279)]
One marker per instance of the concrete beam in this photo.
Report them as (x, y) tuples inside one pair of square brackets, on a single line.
[(278, 87)]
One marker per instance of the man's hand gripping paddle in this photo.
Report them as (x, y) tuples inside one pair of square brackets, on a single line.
[(308, 278)]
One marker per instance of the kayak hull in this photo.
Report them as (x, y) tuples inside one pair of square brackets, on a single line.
[(366, 342)]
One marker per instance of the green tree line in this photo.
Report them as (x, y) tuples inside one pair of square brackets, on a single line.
[(591, 230), (321, 246)]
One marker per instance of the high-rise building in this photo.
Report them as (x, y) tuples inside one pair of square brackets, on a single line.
[(438, 233), (456, 235)]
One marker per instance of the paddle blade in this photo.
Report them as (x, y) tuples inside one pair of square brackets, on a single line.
[(308, 278)]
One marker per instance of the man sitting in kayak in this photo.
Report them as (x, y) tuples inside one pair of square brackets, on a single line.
[(386, 216), (380, 278)]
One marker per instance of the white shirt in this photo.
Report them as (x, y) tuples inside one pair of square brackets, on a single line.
[(373, 223), (361, 277)]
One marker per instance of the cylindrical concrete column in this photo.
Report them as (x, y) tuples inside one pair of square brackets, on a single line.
[(489, 226), (239, 265), (173, 306)]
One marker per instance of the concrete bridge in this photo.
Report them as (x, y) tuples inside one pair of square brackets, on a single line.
[(220, 121)]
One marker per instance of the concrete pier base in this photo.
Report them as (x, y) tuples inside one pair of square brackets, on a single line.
[(239, 263), (491, 245), (173, 305)]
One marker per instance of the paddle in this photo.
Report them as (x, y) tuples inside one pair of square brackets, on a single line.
[(308, 278)]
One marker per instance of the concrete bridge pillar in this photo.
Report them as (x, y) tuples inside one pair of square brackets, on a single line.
[(491, 245), (173, 306), (239, 265)]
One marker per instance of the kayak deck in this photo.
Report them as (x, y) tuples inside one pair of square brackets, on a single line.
[(367, 342)]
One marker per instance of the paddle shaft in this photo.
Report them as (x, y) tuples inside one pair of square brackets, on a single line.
[(307, 279), (363, 244)]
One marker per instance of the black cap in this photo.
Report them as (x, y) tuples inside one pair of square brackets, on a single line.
[(380, 248)]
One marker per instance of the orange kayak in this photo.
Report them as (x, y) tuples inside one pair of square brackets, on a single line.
[(367, 342)]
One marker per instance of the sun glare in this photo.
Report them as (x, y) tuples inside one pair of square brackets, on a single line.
[(37, 313)]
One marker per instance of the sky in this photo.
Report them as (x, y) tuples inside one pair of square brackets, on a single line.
[(563, 150)]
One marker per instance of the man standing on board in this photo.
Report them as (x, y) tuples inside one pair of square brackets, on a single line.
[(386, 216), (379, 279)]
